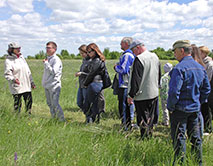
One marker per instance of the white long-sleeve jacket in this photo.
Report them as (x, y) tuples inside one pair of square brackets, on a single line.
[(52, 72), (17, 68)]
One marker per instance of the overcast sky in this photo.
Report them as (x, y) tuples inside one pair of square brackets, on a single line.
[(70, 23)]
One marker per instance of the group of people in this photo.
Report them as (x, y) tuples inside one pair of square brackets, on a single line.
[(185, 89)]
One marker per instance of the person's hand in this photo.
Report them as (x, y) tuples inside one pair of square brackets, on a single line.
[(33, 86), (78, 74), (115, 66), (17, 81), (44, 60), (129, 100)]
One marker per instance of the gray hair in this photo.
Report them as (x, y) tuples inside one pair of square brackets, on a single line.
[(187, 50), (127, 40)]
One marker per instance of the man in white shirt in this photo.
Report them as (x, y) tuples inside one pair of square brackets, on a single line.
[(52, 80)]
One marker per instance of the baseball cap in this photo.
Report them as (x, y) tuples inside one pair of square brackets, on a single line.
[(14, 45), (135, 42), (181, 44)]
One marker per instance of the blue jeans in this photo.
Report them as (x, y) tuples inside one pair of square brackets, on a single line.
[(201, 121), (126, 111), (90, 107), (81, 95), (180, 122), (52, 97)]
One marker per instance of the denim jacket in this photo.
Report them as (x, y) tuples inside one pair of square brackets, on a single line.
[(189, 86)]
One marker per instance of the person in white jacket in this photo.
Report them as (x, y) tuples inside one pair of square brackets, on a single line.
[(52, 80), (18, 74)]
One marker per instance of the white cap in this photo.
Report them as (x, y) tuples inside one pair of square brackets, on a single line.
[(14, 45), (167, 67)]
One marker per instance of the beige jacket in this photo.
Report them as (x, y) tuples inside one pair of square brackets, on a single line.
[(149, 84), (208, 66), (17, 68)]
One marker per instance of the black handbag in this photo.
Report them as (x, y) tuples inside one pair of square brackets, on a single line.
[(115, 85), (106, 79)]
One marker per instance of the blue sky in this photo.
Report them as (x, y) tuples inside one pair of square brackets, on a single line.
[(70, 23)]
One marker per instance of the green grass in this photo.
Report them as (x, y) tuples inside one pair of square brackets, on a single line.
[(39, 140)]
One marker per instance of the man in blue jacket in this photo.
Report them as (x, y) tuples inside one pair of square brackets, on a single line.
[(126, 110), (188, 89)]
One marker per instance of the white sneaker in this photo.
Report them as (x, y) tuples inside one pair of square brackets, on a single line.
[(205, 134)]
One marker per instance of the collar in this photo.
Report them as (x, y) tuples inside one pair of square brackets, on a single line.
[(186, 58), (51, 56), (128, 50), (16, 55)]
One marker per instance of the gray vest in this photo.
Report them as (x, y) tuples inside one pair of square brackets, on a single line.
[(149, 84)]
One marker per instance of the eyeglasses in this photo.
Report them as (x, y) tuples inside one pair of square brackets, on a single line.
[(90, 51), (49, 48)]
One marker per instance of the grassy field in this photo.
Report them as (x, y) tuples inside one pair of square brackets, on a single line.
[(39, 140)]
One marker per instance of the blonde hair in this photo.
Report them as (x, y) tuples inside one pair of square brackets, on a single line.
[(94, 47), (83, 48), (204, 49), (196, 54)]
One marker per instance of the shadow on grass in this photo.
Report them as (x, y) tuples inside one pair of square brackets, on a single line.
[(72, 109), (162, 132), (109, 115), (105, 115)]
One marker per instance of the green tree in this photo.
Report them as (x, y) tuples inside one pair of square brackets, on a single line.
[(72, 55), (40, 55), (162, 54), (106, 52), (65, 54), (3, 57), (114, 55), (59, 55), (30, 57), (78, 56)]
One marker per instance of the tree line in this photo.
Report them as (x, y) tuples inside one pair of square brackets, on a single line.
[(64, 54)]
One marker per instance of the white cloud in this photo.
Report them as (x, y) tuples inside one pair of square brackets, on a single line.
[(21, 5), (208, 23), (106, 22), (2, 3)]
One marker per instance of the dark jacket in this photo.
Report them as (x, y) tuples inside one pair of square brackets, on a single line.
[(210, 99), (83, 75), (94, 70)]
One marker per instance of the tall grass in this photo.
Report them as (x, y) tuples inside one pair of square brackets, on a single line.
[(40, 140)]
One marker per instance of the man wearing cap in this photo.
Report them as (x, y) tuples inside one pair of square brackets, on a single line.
[(52, 80), (143, 86), (19, 76), (188, 89), (126, 110)]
